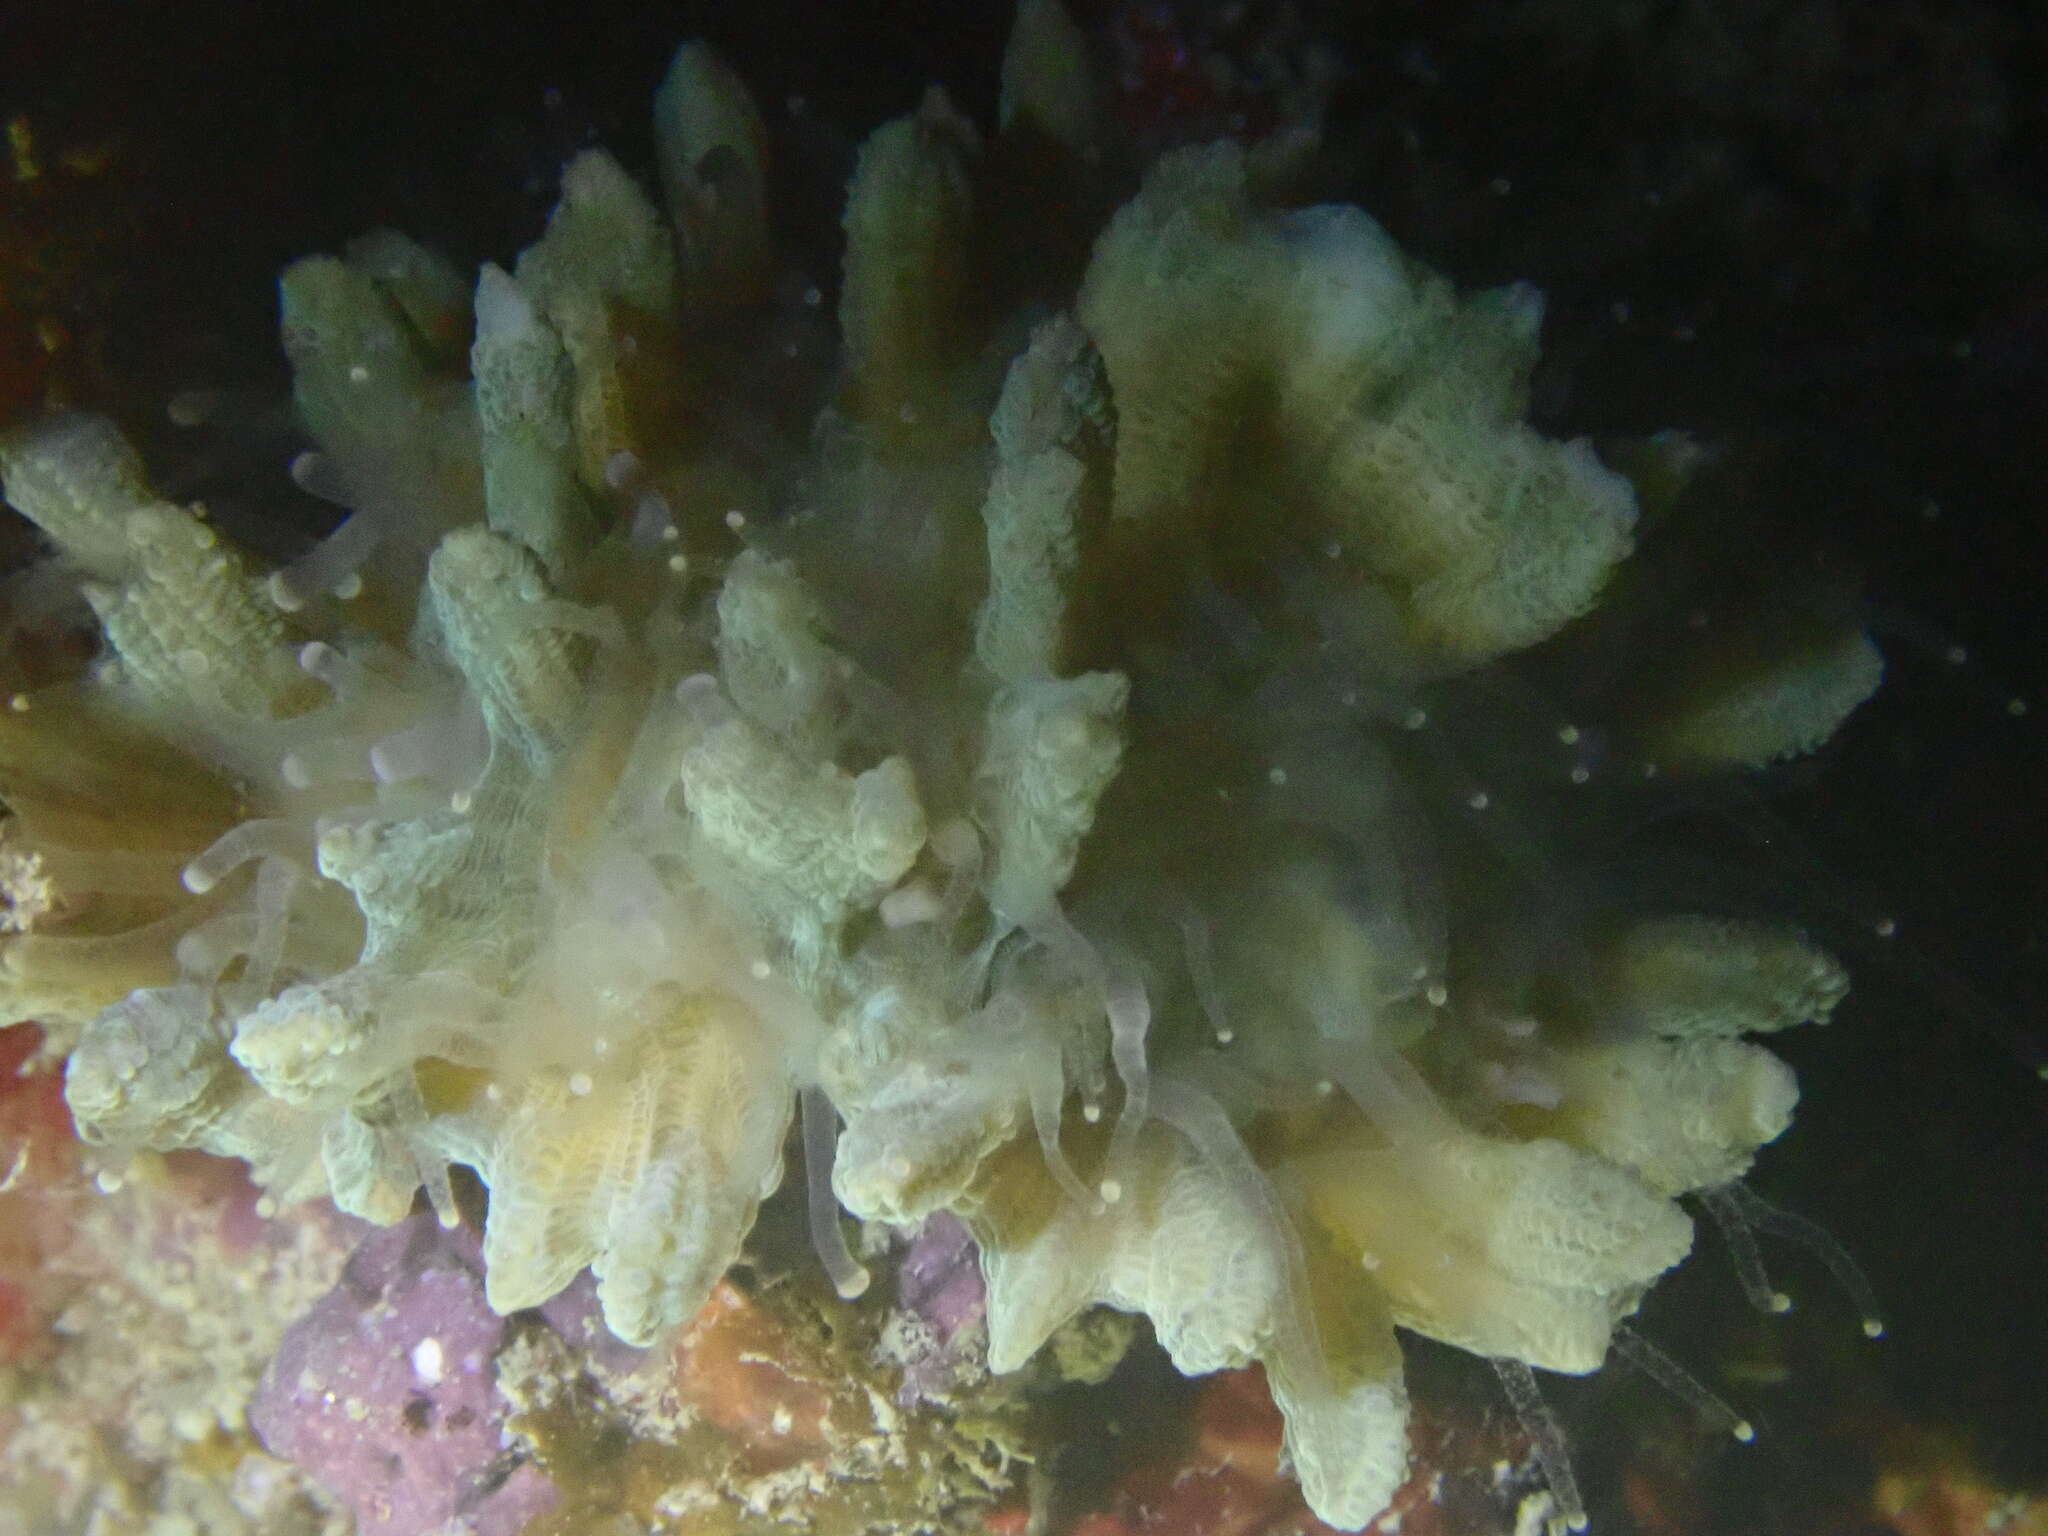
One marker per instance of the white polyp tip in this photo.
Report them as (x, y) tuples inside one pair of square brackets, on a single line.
[(196, 880), (1111, 1191), (1743, 1430), (281, 593), (1577, 1522), (1091, 1112), (314, 655), (348, 588), (620, 468), (1780, 1302), (1873, 1327), (1225, 1036), (450, 1219), (854, 1283), (697, 691), (580, 1084), (293, 771), (1438, 994)]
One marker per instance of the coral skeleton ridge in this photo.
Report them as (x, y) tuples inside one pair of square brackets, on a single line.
[(1024, 769)]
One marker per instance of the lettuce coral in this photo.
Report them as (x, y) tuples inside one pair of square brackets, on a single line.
[(1033, 768)]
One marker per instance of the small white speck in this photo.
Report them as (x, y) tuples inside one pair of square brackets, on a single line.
[(1479, 800), (1438, 994), (1956, 655), (1500, 186), (461, 801), (600, 1046), (18, 703), (679, 564), (1276, 776), (106, 1181), (349, 588), (358, 374), (580, 1084), (1580, 773), (813, 296), (760, 970), (1091, 1112), (1225, 1036), (781, 1421), (1568, 734), (735, 519), (427, 1362), (1112, 1191), (2016, 707), (1415, 720), (1885, 927)]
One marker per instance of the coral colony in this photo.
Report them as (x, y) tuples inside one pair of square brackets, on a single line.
[(1066, 777)]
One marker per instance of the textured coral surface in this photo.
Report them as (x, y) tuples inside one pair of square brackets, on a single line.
[(1095, 775)]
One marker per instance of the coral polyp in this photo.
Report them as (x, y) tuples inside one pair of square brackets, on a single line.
[(1069, 774)]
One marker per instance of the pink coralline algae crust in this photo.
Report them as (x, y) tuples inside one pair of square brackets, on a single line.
[(938, 1282), (386, 1393), (940, 1279)]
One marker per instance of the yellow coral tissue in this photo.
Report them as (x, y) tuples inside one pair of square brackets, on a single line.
[(1102, 770)]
